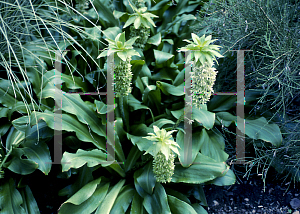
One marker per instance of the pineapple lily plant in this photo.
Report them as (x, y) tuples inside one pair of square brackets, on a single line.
[(149, 173), (162, 150), (124, 51), (141, 21), (203, 54)]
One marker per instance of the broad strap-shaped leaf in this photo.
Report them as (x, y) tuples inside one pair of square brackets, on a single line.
[(14, 138), (19, 165), (133, 156), (10, 199), (29, 202), (86, 200), (124, 199), (157, 202), (168, 89), (72, 82), (73, 104), (228, 179), (255, 129), (213, 145), (71, 124), (7, 96), (204, 169), (137, 205), (197, 142), (146, 179), (206, 118), (110, 198), (178, 206), (91, 158)]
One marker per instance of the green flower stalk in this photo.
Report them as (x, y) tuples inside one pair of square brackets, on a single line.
[(123, 51), (162, 150), (203, 76)]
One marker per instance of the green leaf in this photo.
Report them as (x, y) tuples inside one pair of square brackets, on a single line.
[(86, 200), (221, 103), (146, 179), (157, 202), (14, 138), (95, 32), (137, 22), (137, 205), (185, 155), (122, 55), (91, 158), (206, 118), (29, 202), (39, 153), (228, 179), (255, 129), (11, 199), (161, 122), (72, 82), (112, 32), (7, 96), (204, 169), (129, 21), (168, 89), (124, 199), (260, 129), (199, 209), (213, 145), (155, 40), (109, 200), (71, 123), (178, 207), (163, 58), (73, 104), (133, 156), (19, 165)]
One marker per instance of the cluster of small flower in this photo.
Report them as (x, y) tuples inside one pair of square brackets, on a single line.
[(203, 80), (123, 77), (162, 168), (143, 33)]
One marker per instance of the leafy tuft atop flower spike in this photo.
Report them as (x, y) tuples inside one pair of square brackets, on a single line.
[(119, 46), (202, 50), (162, 141)]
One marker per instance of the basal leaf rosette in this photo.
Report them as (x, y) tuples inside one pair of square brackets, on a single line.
[(201, 50), (162, 150), (123, 51)]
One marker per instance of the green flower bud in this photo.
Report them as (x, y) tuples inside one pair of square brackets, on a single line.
[(123, 77), (163, 169), (203, 80), (82, 5), (143, 33)]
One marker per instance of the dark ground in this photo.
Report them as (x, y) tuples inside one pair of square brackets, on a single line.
[(248, 196)]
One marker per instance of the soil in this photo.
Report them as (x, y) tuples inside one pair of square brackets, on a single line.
[(248, 196)]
